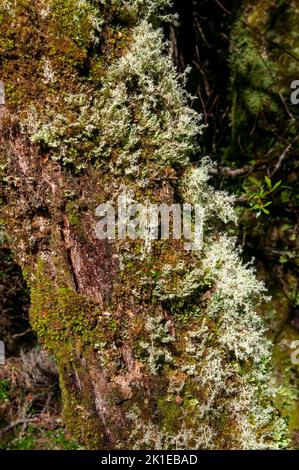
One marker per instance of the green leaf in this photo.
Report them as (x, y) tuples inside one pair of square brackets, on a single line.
[(265, 211), (276, 186), (254, 181), (285, 196), (268, 182)]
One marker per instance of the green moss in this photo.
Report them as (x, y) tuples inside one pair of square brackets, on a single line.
[(61, 315), (263, 63), (71, 326), (286, 376), (73, 213), (78, 409), (45, 50), (170, 412)]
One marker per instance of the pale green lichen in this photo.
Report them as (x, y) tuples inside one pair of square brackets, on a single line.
[(158, 337), (129, 9), (139, 116), (218, 205)]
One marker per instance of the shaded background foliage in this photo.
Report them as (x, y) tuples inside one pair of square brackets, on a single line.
[(243, 62), (243, 58)]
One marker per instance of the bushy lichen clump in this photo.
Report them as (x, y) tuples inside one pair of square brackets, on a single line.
[(175, 350), (213, 352), (138, 122)]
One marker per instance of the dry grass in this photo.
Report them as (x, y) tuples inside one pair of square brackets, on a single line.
[(29, 395)]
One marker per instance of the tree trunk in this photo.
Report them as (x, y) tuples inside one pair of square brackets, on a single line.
[(159, 347)]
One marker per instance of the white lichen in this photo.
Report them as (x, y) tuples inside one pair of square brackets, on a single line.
[(140, 115), (155, 346)]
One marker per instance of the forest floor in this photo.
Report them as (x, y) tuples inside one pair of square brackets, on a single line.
[(30, 404)]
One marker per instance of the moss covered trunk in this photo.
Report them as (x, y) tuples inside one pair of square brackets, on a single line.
[(71, 276), (157, 347)]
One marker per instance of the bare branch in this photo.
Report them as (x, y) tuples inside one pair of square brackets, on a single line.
[(284, 155)]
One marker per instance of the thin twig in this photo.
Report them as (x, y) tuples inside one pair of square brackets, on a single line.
[(16, 423), (284, 155)]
